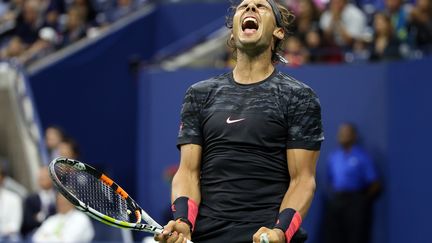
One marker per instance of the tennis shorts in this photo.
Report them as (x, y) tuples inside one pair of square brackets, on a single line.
[(211, 230)]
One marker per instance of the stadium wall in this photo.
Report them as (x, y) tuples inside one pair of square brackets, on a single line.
[(387, 101)]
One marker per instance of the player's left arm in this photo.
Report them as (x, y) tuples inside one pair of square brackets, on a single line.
[(305, 135), (302, 170), (298, 198)]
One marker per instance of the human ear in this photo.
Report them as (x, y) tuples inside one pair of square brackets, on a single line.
[(279, 33)]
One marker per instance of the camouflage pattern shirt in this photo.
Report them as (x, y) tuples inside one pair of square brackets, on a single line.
[(244, 131)]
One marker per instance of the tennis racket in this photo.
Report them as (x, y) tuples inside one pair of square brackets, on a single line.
[(97, 195)]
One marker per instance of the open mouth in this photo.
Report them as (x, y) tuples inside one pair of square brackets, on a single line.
[(250, 25)]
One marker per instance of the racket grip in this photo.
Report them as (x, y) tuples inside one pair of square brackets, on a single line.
[(264, 238), (188, 241)]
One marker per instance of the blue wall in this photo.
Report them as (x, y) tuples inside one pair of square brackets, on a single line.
[(387, 101), (410, 164)]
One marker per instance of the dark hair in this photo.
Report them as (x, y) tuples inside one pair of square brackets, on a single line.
[(287, 18), (352, 126), (73, 145), (59, 129)]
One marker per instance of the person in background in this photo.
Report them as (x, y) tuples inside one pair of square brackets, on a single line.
[(385, 45), (341, 25), (14, 48), (29, 22), (68, 225), (54, 135), (51, 11), (39, 206), (421, 25), (295, 52), (313, 42), (75, 26), (352, 183), (360, 52), (307, 19), (10, 211), (87, 9), (399, 16), (69, 148), (306, 27)]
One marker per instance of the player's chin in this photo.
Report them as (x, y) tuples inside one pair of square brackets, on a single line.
[(249, 41)]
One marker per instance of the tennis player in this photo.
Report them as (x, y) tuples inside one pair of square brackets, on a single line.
[(249, 142)]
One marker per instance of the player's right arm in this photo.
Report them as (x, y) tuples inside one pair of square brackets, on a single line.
[(186, 195), (186, 180), (185, 184)]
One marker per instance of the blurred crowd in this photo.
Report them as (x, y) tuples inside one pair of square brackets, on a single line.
[(45, 215), (348, 31), (331, 31), (30, 29)]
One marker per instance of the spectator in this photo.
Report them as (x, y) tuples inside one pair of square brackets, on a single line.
[(313, 40), (51, 10), (10, 211), (342, 23), (75, 26), (14, 48), (294, 5), (353, 183), (54, 135), (12, 9), (421, 25), (399, 15), (45, 44), (29, 22), (295, 52), (307, 18), (40, 205), (88, 11), (385, 45), (69, 149), (68, 225), (360, 52)]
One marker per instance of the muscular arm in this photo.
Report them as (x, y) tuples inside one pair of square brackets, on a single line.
[(185, 184), (301, 167), (186, 180)]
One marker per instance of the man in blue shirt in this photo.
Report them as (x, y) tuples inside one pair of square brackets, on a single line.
[(352, 184)]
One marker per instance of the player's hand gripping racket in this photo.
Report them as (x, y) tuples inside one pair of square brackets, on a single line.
[(95, 194)]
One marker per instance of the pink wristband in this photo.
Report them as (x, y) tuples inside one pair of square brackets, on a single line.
[(289, 221), (186, 210)]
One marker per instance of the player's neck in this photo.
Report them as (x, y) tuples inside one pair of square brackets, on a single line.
[(252, 69)]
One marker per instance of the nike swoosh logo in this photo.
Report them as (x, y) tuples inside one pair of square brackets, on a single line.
[(229, 121)]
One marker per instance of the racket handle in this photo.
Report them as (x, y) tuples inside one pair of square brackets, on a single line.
[(188, 241), (264, 238)]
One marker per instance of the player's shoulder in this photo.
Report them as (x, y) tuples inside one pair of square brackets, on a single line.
[(211, 83), (292, 85)]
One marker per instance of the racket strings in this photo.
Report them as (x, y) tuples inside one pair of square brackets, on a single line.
[(94, 193)]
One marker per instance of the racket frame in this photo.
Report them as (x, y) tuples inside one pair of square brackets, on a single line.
[(152, 226)]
